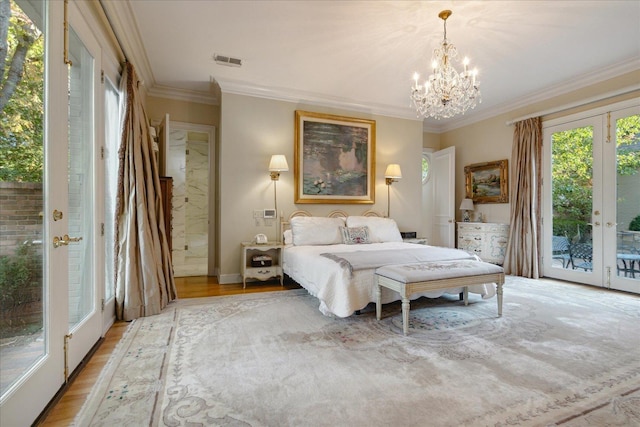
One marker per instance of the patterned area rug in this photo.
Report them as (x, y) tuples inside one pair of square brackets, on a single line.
[(562, 354)]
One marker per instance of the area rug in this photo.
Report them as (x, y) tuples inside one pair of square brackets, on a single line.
[(561, 354)]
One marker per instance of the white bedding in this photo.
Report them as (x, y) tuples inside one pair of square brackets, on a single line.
[(342, 293)]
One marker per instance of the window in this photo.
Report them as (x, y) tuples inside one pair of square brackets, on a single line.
[(426, 167)]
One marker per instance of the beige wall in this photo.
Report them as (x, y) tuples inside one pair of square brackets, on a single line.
[(252, 129), (182, 111), (491, 139), (431, 140)]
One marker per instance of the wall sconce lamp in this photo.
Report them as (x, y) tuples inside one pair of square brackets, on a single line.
[(277, 164), (465, 207), (391, 175)]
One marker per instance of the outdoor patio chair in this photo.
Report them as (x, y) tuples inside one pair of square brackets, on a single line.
[(561, 250), (581, 256)]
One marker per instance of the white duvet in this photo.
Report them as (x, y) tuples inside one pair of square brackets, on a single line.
[(342, 293)]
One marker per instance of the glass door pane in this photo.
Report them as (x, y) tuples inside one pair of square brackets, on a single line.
[(627, 223), (81, 212), (22, 286), (572, 199)]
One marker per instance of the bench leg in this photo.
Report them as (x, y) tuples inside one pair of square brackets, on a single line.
[(405, 315), (499, 292), (465, 295), (378, 301)]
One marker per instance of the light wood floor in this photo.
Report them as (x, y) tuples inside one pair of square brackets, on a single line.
[(66, 408)]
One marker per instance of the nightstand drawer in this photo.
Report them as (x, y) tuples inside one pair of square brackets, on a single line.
[(262, 273)]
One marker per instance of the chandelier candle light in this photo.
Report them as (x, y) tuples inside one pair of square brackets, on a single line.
[(446, 92)]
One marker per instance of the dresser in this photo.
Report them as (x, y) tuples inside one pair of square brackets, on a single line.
[(487, 240)]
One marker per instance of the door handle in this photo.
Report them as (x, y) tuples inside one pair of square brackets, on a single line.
[(64, 240)]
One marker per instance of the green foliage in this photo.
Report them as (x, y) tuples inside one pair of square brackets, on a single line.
[(21, 121), (572, 173), (634, 225), (19, 273)]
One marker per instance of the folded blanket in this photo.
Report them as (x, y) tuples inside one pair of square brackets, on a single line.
[(362, 260)]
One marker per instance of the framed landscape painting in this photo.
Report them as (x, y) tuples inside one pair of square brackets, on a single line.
[(334, 159), (487, 182)]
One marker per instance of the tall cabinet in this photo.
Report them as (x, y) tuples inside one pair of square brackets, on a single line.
[(487, 240)]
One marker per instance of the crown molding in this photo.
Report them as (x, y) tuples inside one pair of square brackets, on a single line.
[(160, 91), (305, 97)]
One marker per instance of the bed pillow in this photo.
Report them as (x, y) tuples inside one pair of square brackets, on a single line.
[(288, 237), (380, 229), (316, 230), (355, 235)]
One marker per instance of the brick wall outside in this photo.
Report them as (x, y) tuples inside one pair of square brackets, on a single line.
[(21, 210)]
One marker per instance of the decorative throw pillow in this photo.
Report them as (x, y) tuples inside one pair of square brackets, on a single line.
[(380, 229), (355, 235)]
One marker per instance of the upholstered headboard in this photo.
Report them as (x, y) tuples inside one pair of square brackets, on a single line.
[(285, 224)]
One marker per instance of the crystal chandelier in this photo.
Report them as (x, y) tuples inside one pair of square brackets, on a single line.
[(446, 93)]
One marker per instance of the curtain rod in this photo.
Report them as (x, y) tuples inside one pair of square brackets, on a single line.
[(571, 105), (113, 33)]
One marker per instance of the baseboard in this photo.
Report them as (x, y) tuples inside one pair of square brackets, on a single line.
[(225, 279)]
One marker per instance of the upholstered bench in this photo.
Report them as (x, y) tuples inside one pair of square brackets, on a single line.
[(408, 279)]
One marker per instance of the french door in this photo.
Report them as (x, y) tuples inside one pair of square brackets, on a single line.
[(592, 165), (70, 320)]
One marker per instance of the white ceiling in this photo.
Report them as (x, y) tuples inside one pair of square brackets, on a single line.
[(361, 55)]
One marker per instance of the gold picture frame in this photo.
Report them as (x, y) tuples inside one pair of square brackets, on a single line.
[(335, 159), (487, 182)]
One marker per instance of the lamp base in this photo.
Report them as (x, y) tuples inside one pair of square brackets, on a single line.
[(465, 216)]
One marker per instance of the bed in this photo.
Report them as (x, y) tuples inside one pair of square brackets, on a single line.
[(335, 257)]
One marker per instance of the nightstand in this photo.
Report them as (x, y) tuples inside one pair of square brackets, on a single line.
[(261, 269)]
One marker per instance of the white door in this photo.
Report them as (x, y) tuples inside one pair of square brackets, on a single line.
[(444, 182), (621, 235), (84, 100), (592, 162), (70, 321), (32, 372)]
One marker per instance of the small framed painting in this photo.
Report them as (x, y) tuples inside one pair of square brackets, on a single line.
[(334, 159), (487, 182)]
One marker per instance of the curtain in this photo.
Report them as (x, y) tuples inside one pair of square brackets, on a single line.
[(523, 250), (144, 274)]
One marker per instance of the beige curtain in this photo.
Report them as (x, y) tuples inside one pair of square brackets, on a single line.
[(144, 275), (522, 255)]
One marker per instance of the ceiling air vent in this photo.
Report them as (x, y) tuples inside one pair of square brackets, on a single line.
[(227, 60)]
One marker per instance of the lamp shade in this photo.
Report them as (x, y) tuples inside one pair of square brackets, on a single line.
[(393, 171), (278, 163), (466, 205)]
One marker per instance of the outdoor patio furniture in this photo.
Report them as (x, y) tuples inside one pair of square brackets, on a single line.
[(581, 256), (561, 250)]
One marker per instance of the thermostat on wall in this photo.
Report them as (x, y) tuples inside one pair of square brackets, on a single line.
[(269, 213)]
